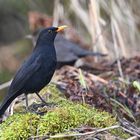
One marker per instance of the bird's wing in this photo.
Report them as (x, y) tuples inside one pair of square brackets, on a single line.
[(70, 49), (64, 52), (80, 52), (24, 73)]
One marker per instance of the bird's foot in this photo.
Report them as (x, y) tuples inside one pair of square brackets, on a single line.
[(43, 101)]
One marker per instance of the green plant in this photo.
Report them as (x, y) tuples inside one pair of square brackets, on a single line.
[(19, 126)]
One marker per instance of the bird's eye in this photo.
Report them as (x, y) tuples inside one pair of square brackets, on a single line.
[(49, 31)]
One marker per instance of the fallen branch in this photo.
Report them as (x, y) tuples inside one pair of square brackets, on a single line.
[(132, 138), (5, 85), (116, 49), (129, 127), (131, 132), (75, 135)]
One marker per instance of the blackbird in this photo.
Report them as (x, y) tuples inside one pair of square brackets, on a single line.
[(67, 52), (37, 71), (71, 51)]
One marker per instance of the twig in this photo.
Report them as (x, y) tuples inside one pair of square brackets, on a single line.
[(129, 127), (94, 15), (123, 108), (83, 84), (120, 39), (77, 134), (7, 84), (131, 132), (116, 47), (56, 12), (132, 138), (117, 29), (97, 78), (94, 77), (81, 13)]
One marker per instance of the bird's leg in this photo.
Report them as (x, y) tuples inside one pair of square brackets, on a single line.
[(41, 98), (26, 100)]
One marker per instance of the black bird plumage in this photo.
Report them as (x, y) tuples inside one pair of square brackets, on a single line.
[(37, 70)]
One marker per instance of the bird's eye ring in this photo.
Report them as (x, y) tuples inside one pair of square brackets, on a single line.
[(49, 31)]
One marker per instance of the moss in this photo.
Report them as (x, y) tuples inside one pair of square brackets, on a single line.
[(70, 116), (119, 132), (53, 91), (19, 126), (64, 116)]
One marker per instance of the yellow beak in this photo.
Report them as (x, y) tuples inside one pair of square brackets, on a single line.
[(61, 28)]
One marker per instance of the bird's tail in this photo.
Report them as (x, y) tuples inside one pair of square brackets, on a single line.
[(90, 53), (6, 102)]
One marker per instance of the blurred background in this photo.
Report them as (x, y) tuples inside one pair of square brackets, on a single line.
[(111, 27)]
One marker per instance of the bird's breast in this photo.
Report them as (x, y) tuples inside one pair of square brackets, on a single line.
[(43, 75)]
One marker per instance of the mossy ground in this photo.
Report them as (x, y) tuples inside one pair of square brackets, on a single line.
[(64, 116)]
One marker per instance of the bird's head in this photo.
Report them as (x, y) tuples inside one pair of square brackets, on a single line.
[(49, 34)]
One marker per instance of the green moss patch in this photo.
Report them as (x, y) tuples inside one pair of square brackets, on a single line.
[(69, 116), (19, 126)]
